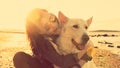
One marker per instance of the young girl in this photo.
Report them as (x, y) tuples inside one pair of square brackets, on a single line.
[(40, 24)]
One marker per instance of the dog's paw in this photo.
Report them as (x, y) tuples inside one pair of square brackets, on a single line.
[(91, 51)]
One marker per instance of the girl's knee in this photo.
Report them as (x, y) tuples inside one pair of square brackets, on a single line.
[(21, 58)]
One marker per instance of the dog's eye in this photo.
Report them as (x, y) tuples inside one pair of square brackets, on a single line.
[(75, 26), (86, 27)]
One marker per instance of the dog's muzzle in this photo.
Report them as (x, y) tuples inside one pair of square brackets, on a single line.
[(81, 45), (78, 46)]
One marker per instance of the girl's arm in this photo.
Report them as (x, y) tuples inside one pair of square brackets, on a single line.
[(50, 54)]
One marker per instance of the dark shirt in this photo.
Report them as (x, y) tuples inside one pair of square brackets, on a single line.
[(44, 47)]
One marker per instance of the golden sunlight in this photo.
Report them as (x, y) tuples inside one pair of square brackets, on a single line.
[(13, 13), (106, 16)]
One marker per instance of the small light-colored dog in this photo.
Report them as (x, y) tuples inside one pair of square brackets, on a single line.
[(73, 37)]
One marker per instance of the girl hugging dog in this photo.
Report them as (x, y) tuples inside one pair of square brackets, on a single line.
[(40, 24)]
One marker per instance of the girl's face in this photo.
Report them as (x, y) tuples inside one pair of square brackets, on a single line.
[(42, 22), (49, 24), (53, 25)]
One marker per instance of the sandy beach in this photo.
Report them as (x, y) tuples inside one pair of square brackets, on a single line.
[(7, 53), (12, 43)]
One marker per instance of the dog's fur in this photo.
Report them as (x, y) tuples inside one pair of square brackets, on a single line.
[(71, 37)]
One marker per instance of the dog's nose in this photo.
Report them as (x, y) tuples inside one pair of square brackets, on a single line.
[(85, 38)]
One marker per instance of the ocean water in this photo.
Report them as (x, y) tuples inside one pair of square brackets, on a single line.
[(19, 39), (12, 39)]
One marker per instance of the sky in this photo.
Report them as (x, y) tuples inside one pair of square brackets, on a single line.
[(106, 13)]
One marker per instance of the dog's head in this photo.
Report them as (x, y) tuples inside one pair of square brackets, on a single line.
[(75, 30)]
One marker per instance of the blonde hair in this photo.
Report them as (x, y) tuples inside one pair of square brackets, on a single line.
[(35, 14), (32, 31), (32, 18)]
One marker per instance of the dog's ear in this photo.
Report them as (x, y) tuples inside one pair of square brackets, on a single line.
[(63, 19), (89, 21)]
